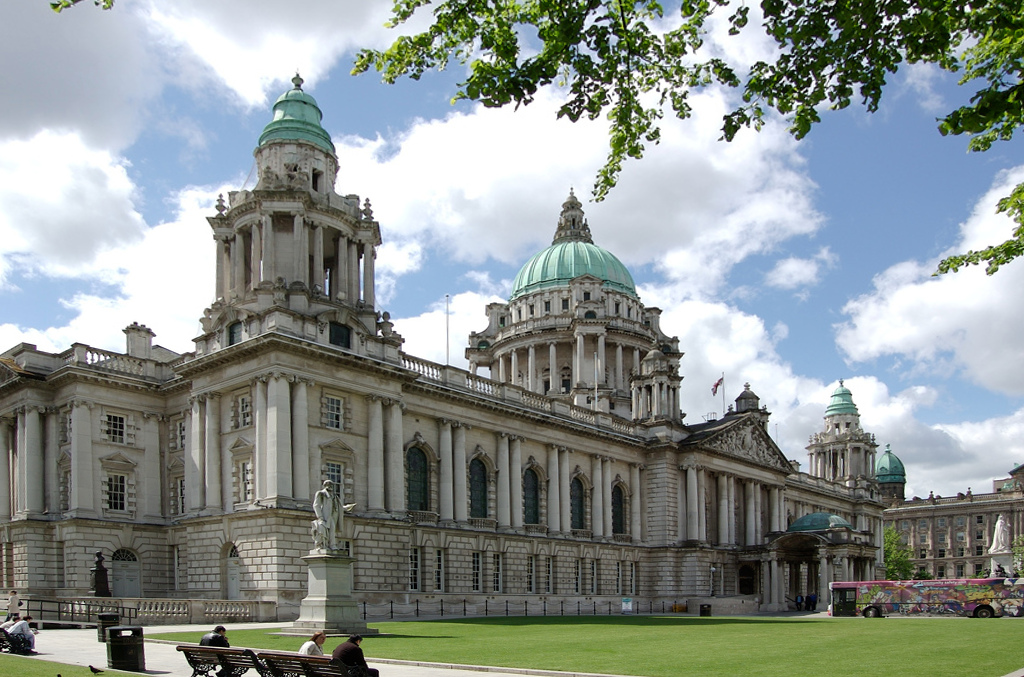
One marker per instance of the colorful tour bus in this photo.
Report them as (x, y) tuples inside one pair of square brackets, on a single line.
[(976, 597)]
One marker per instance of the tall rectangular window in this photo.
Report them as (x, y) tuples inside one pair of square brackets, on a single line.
[(114, 428), (333, 472), (942, 522), (959, 570), (549, 574), (940, 571), (593, 576), (632, 578), (439, 570), (180, 488), (477, 572), (245, 481), (117, 492), (496, 572), (244, 411), (180, 433), (334, 412), (414, 570), (577, 574), (618, 578), (531, 572)]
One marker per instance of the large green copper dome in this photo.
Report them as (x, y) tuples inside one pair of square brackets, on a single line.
[(571, 254), (842, 402), (297, 118), (888, 468)]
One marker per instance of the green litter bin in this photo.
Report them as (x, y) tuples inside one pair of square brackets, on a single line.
[(125, 648)]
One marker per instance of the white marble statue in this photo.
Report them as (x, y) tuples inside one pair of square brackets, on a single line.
[(1000, 537), (330, 517)]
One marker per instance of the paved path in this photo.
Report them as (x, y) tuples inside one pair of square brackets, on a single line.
[(79, 647)]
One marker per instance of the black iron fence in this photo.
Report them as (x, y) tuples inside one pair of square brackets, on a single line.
[(464, 608), (75, 610)]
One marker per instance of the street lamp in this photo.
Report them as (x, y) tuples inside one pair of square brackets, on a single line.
[(712, 580)]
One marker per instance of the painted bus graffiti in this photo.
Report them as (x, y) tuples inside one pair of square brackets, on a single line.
[(979, 598)]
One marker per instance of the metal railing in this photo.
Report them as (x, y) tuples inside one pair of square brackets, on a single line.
[(75, 610)]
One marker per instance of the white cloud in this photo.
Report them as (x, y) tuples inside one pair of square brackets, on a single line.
[(960, 323), (793, 272), (62, 204)]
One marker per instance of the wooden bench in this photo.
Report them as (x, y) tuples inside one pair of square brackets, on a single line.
[(15, 644), (283, 664), (228, 662)]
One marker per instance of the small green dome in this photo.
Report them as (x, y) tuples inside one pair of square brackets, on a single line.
[(297, 118), (890, 469), (819, 521), (571, 254), (842, 402)]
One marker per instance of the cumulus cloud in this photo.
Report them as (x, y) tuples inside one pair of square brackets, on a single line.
[(794, 272), (63, 203), (957, 324)]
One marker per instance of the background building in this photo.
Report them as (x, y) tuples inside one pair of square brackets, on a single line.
[(568, 474)]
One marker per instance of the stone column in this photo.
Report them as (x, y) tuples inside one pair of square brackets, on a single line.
[(318, 258), (211, 444), (619, 383), (5, 469), (368, 295), (353, 271), (194, 462), (692, 513), (758, 527), (375, 454), (237, 258), (606, 465), (83, 486), (554, 492), (564, 496), (394, 459), (255, 256), (702, 517), (635, 523), (824, 577), (300, 442), (748, 519), (150, 485), (503, 508), (51, 502), (461, 470), (554, 378), (279, 436), (773, 509), (531, 369), (502, 375), (766, 585), (516, 482), (259, 417), (723, 510), (269, 250), (600, 359), (515, 368), (597, 498), (577, 366), (447, 506)]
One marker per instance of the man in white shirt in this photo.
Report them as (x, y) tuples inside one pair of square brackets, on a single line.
[(21, 628)]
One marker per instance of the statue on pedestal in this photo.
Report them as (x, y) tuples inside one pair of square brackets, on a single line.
[(330, 517), (1000, 537)]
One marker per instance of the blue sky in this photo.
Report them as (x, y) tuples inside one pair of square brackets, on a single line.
[(786, 264)]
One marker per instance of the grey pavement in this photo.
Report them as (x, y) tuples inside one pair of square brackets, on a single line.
[(80, 647)]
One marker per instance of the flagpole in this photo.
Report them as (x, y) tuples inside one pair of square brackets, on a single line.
[(447, 333), (723, 393)]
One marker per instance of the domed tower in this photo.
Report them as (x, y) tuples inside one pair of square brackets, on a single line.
[(293, 256), (843, 451), (891, 476), (749, 402), (574, 327)]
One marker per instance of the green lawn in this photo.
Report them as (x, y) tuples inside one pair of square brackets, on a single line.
[(19, 666), (657, 646)]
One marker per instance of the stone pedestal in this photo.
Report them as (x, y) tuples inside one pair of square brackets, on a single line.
[(1003, 558), (329, 605)]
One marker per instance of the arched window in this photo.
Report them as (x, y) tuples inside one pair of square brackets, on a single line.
[(590, 315), (234, 333), (531, 497), (618, 521), (477, 488), (576, 503), (123, 556), (418, 498)]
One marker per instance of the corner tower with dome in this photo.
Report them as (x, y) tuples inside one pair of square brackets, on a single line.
[(574, 329)]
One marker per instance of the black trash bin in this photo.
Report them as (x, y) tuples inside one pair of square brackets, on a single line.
[(106, 620), (125, 648), (705, 609)]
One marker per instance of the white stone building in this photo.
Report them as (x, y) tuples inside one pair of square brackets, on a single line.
[(567, 473)]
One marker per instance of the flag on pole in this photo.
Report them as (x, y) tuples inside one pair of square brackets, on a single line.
[(717, 385)]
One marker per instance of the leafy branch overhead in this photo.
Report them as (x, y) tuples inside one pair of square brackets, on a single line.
[(631, 62)]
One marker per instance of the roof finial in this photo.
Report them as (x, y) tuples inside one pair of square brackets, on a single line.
[(297, 81)]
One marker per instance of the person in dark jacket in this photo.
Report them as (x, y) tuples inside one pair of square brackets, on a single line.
[(219, 637), (351, 655)]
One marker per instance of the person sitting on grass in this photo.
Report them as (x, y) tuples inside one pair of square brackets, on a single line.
[(349, 654)]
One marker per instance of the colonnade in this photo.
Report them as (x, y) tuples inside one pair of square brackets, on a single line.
[(834, 462), (692, 501), (509, 364), (322, 256)]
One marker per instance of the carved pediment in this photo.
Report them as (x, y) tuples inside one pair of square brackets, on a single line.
[(749, 441)]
